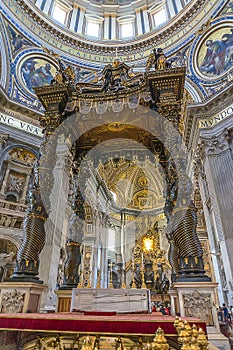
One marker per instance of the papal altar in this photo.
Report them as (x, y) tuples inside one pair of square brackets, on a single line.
[(118, 300)]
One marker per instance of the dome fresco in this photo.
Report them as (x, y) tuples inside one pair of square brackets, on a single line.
[(182, 39)]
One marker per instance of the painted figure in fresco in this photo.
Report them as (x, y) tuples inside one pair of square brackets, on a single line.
[(27, 70), (35, 77), (42, 76), (219, 55), (17, 39)]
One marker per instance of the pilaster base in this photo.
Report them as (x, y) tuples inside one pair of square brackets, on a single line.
[(64, 297), (174, 302), (20, 297), (217, 340), (199, 299)]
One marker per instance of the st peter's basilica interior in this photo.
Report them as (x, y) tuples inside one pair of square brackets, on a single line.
[(116, 181)]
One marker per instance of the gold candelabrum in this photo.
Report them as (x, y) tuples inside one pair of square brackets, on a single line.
[(98, 286), (143, 274), (133, 279), (111, 284), (123, 285), (159, 341), (189, 338), (80, 283)]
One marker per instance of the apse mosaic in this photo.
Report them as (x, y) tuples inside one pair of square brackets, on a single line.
[(215, 55), (37, 72)]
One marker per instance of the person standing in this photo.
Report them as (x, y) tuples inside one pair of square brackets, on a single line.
[(225, 313)]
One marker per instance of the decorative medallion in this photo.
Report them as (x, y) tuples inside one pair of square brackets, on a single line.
[(36, 71), (215, 53)]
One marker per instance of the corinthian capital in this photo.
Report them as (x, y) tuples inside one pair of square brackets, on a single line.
[(216, 144)]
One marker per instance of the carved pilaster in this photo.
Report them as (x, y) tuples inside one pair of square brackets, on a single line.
[(56, 232), (217, 160)]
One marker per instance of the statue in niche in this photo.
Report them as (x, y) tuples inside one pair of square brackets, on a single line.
[(5, 258), (15, 184), (60, 270)]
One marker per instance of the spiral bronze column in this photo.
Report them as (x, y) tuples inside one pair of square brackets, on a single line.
[(189, 251), (27, 261)]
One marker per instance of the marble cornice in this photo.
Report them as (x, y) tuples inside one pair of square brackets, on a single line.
[(105, 48), (214, 104), (18, 111), (205, 110)]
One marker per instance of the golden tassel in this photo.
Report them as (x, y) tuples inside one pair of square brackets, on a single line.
[(194, 345), (201, 340), (159, 341), (194, 331)]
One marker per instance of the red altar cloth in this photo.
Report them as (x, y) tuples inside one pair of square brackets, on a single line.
[(79, 323)]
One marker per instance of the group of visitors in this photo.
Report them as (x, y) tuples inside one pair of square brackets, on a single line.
[(225, 314), (164, 308)]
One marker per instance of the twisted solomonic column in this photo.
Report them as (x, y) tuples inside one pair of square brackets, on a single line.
[(27, 261), (190, 266)]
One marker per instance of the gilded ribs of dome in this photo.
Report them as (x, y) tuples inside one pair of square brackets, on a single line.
[(135, 186)]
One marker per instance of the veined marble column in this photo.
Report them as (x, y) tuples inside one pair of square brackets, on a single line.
[(218, 166), (73, 18), (211, 236), (106, 26), (113, 26), (146, 20), (81, 19), (139, 22), (54, 226)]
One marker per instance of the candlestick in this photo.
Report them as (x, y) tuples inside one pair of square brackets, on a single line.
[(111, 284), (123, 285)]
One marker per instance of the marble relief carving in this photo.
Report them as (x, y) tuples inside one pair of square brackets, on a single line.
[(198, 305), (12, 302)]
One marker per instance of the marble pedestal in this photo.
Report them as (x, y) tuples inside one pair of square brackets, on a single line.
[(107, 300), (63, 300), (20, 297), (199, 299)]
